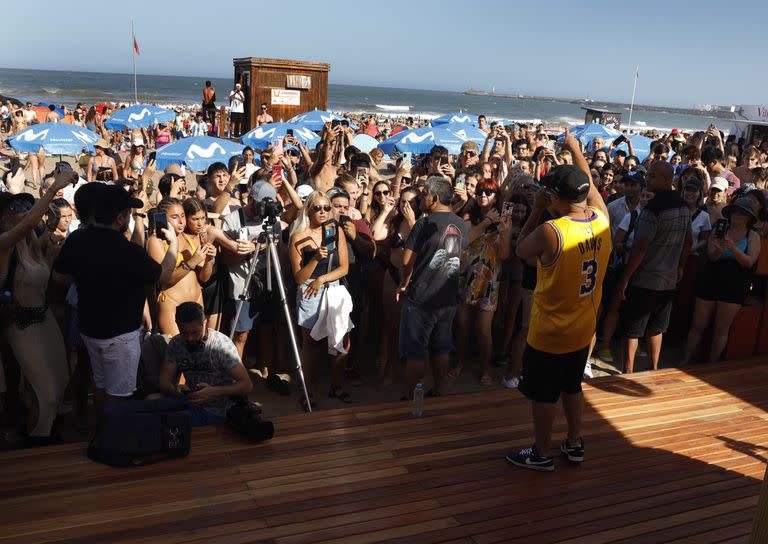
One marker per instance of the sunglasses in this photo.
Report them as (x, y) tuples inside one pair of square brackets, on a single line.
[(381, 193), (470, 153), (20, 206), (484, 191), (318, 207)]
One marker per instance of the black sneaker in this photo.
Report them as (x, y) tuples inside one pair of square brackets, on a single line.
[(575, 454), (530, 458)]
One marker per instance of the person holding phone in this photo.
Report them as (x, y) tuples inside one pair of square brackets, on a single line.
[(318, 262), (723, 284), (194, 264), (112, 276), (101, 162)]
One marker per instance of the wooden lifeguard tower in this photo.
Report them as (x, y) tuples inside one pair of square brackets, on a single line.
[(287, 87)]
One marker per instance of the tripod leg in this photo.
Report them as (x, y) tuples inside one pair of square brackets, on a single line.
[(239, 302), (275, 261)]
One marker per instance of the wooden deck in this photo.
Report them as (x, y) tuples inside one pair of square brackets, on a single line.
[(672, 456)]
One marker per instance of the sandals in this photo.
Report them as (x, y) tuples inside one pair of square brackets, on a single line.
[(339, 393)]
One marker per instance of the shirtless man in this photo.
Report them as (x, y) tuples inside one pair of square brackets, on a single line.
[(263, 118), (52, 116), (209, 102)]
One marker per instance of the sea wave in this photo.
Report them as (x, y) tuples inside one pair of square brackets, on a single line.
[(51, 90), (388, 107)]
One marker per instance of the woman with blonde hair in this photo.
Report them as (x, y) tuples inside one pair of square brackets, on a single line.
[(317, 264)]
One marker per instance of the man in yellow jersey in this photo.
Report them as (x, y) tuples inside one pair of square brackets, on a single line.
[(571, 255)]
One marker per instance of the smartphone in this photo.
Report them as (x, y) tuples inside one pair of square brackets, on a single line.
[(204, 237), (361, 175), (443, 160), (330, 234), (277, 170), (461, 182), (335, 123), (161, 222), (242, 234), (152, 156), (506, 209), (720, 228), (242, 188), (344, 218), (407, 158), (277, 146)]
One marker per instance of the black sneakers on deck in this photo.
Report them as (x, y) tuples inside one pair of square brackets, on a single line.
[(575, 454), (530, 458)]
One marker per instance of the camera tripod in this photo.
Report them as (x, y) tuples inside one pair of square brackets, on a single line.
[(268, 236)]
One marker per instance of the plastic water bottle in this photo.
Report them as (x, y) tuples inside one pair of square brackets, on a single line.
[(418, 400)]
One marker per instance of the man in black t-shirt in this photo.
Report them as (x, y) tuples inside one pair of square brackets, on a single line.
[(111, 275), (430, 283)]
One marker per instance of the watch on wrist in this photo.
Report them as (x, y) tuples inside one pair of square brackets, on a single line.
[(185, 266)]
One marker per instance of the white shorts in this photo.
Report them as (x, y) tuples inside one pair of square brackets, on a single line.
[(115, 362)]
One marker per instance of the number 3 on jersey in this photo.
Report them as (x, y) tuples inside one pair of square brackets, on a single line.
[(589, 269)]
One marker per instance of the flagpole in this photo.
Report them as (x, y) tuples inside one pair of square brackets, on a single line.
[(133, 55), (632, 104)]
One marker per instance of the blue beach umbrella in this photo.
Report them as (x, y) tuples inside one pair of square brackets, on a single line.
[(316, 119), (138, 116), (365, 143), (422, 140), (641, 146), (197, 152), (455, 117), (586, 133), (261, 137), (467, 132), (54, 138)]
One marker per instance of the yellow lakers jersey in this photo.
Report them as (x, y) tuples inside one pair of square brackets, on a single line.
[(568, 291)]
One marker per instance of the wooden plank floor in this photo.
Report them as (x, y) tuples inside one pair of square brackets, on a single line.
[(672, 456)]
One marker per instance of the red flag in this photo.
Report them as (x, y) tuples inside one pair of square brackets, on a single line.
[(135, 44)]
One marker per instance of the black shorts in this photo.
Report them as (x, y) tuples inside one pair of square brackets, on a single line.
[(425, 330), (724, 281), (546, 375), (236, 117), (645, 310)]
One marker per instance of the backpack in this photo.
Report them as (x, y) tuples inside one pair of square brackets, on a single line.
[(141, 432)]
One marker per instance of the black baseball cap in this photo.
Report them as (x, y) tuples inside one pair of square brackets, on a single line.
[(116, 199), (87, 198), (635, 176), (6, 198), (567, 181)]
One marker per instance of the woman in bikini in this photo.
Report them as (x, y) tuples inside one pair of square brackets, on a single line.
[(194, 264), (102, 167), (197, 227), (136, 161)]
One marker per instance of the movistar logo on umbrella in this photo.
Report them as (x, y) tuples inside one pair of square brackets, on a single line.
[(415, 138), (139, 116), (30, 135), (195, 151), (462, 119), (261, 133)]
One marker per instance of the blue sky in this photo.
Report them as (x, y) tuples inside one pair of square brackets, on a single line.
[(689, 52)]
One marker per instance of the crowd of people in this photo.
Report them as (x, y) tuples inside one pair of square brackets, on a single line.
[(125, 279)]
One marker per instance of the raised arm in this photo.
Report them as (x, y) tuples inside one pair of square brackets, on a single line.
[(594, 199)]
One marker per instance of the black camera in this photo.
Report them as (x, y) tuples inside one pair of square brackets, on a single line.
[(268, 209), (246, 420)]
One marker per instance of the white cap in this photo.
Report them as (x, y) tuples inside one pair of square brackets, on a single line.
[(304, 191), (719, 183), (138, 141)]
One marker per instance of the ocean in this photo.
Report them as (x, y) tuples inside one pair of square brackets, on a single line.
[(69, 88)]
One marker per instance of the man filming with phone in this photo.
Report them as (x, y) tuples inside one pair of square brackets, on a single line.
[(112, 276)]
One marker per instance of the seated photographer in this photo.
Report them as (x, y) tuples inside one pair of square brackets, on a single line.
[(212, 368), (722, 286)]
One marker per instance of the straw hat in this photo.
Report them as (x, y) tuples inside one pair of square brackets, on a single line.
[(102, 143)]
